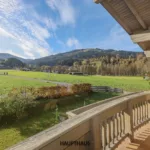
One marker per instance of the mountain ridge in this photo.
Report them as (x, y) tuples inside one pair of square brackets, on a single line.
[(68, 58), (7, 55)]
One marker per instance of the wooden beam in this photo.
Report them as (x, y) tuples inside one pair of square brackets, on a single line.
[(136, 14), (142, 45), (116, 15), (147, 53), (98, 1), (141, 37)]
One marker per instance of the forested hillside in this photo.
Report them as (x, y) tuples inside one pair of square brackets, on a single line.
[(91, 62), (106, 65), (69, 58)]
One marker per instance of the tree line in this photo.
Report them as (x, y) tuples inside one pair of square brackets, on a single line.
[(108, 65), (105, 65)]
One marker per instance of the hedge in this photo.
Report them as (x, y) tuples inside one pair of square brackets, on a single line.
[(21, 102)]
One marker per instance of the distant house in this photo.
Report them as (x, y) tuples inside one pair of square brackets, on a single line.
[(76, 73), (147, 76), (57, 72), (25, 69)]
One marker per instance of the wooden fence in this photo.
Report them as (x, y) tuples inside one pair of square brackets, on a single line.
[(106, 89)]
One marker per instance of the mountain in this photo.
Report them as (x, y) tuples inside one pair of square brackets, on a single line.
[(6, 56), (68, 58)]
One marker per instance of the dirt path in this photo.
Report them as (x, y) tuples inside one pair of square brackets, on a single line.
[(41, 80)]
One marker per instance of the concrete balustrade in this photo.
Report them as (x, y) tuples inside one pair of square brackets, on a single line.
[(90, 106), (104, 126)]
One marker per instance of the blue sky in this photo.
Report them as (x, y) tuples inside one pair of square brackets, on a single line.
[(37, 28)]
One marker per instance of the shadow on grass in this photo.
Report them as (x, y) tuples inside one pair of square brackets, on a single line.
[(34, 124), (45, 120)]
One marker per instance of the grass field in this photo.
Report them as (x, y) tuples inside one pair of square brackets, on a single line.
[(12, 134), (127, 83), (7, 83)]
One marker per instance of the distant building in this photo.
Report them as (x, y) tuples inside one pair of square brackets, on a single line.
[(76, 73), (146, 76), (25, 69)]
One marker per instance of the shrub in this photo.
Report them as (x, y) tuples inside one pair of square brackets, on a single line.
[(64, 91), (16, 105), (23, 92), (81, 88), (52, 92), (20, 101)]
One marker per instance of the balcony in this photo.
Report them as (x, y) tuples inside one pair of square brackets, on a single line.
[(117, 123)]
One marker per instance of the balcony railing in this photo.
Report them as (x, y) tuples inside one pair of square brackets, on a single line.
[(104, 126)]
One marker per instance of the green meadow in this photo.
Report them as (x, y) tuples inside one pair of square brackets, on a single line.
[(8, 82), (124, 82), (22, 129)]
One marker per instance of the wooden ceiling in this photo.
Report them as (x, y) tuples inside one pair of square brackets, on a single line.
[(134, 17)]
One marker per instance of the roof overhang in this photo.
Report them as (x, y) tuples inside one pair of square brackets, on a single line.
[(134, 17)]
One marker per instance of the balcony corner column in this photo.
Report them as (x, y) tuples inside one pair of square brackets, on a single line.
[(96, 134), (129, 122)]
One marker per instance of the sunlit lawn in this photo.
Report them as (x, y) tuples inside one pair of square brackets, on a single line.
[(127, 83), (11, 134), (20, 130), (8, 82)]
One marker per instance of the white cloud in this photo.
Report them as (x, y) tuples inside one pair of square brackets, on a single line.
[(25, 30), (65, 10), (9, 6), (36, 30), (117, 39), (50, 23), (5, 33), (73, 42), (29, 54)]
